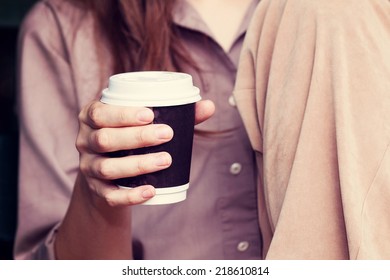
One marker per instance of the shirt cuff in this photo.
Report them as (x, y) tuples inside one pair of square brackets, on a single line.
[(46, 249)]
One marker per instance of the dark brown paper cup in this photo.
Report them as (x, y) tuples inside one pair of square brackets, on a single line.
[(172, 97)]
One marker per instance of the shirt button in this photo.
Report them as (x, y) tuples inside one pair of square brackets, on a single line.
[(243, 246), (232, 101), (235, 168)]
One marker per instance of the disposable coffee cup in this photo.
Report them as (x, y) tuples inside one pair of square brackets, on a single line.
[(172, 97)]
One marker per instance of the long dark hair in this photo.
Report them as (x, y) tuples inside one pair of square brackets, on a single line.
[(140, 33)]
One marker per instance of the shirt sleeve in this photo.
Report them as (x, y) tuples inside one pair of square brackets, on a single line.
[(48, 127)]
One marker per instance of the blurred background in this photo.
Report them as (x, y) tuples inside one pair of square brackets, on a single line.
[(11, 14)]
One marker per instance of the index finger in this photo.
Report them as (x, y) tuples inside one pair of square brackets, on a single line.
[(98, 115)]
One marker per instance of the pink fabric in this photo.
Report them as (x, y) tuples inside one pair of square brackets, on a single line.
[(313, 88)]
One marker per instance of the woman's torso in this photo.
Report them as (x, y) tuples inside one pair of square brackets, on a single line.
[(218, 220)]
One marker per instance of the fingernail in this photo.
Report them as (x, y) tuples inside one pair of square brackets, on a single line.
[(163, 160), (148, 193), (145, 115), (164, 132)]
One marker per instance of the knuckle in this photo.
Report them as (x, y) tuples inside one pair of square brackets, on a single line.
[(141, 167), (84, 168), (80, 143), (105, 169), (142, 137), (110, 200), (81, 116), (139, 136), (130, 199), (95, 114), (123, 117), (102, 139)]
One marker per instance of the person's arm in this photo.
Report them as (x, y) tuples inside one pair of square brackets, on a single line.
[(49, 161), (97, 223)]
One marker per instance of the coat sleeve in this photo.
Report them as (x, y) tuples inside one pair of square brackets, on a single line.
[(313, 90)]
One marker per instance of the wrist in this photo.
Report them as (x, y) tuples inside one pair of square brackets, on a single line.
[(92, 229)]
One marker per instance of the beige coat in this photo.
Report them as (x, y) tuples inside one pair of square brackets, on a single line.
[(314, 92)]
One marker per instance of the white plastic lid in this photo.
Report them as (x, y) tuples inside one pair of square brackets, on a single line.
[(150, 88)]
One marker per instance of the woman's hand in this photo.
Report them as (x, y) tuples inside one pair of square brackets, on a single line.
[(107, 128), (97, 224)]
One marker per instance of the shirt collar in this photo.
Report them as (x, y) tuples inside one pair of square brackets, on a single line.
[(186, 16)]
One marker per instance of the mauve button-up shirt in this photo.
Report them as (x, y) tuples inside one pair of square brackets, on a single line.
[(59, 73)]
